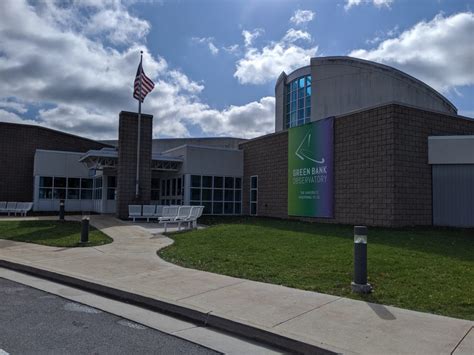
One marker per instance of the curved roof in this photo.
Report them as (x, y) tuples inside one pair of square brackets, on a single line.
[(382, 68)]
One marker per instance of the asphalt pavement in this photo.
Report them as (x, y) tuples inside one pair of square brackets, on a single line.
[(36, 322)]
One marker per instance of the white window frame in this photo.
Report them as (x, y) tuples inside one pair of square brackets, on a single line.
[(250, 196), (213, 188)]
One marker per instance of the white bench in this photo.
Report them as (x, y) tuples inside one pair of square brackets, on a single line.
[(23, 207), (184, 214), (15, 207), (134, 212), (166, 214), (158, 211), (196, 212), (144, 212), (148, 212)]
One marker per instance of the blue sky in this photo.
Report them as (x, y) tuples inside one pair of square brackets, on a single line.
[(70, 65)]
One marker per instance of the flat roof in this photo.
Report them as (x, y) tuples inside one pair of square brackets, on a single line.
[(113, 153)]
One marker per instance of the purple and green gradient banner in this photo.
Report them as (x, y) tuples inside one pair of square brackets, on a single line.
[(311, 169)]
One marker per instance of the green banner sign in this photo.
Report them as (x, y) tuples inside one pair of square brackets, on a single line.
[(311, 169)]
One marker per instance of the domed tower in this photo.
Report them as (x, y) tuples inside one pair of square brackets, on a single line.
[(332, 86)]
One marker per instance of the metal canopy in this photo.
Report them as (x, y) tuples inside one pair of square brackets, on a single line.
[(100, 159), (108, 158)]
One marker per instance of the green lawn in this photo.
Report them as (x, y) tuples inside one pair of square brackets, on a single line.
[(52, 233), (430, 270)]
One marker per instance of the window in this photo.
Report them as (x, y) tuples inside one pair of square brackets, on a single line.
[(253, 194), (195, 194), (218, 182), (98, 188), (207, 181), (179, 191), (46, 194), (87, 186), (111, 186), (298, 102), (171, 190), (73, 191), (65, 188), (207, 194), (218, 194), (155, 189), (195, 181), (59, 191), (46, 188)]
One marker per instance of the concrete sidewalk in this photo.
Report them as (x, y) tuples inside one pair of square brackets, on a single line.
[(338, 324)]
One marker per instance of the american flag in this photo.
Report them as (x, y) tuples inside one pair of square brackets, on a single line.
[(147, 84)]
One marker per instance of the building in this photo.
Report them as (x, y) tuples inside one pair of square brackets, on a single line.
[(355, 142)]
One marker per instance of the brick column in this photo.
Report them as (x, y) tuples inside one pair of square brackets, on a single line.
[(127, 161)]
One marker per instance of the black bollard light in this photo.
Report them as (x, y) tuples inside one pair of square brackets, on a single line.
[(61, 210), (360, 285), (85, 230)]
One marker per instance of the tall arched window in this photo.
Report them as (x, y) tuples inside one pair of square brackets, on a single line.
[(298, 101)]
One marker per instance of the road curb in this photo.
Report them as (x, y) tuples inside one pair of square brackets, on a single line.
[(188, 314)]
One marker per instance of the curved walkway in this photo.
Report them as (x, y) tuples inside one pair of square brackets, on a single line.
[(130, 263)]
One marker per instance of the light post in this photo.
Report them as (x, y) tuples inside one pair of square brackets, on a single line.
[(61, 210), (85, 230), (360, 285)]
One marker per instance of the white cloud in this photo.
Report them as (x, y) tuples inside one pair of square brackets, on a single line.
[(439, 52), (118, 26), (250, 120), (250, 36), (7, 116), (293, 35), (209, 41), (302, 16), (232, 49), (259, 66), (381, 35), (377, 3), (53, 61), (214, 50), (13, 105)]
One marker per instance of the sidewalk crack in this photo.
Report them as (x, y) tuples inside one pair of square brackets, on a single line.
[(214, 289), (183, 330), (305, 312), (460, 341)]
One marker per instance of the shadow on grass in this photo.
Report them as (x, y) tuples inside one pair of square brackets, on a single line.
[(50, 233), (44, 230)]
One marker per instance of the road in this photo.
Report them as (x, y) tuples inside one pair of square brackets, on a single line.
[(36, 322)]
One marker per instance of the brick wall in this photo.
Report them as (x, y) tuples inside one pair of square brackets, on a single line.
[(127, 161), (267, 157), (18, 144), (413, 179), (382, 176)]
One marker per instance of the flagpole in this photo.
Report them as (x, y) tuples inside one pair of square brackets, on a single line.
[(139, 131)]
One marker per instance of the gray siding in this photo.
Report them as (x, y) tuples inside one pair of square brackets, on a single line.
[(451, 149), (453, 195), (57, 163), (343, 84), (199, 160)]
